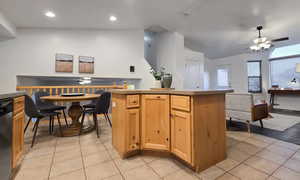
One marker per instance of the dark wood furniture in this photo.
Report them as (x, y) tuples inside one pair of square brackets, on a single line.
[(280, 91)]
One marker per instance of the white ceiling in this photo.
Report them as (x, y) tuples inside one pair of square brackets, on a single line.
[(218, 28)]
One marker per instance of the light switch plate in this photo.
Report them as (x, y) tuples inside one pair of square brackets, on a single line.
[(114, 104)]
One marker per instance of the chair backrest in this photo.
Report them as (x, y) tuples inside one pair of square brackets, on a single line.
[(39, 102), (30, 108), (97, 92), (239, 102), (103, 103)]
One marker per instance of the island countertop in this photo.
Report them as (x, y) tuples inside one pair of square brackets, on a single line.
[(5, 95), (175, 92)]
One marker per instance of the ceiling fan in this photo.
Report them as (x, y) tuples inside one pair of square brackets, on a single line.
[(262, 43)]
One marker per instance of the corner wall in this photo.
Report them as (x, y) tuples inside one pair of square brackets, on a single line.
[(170, 54), (7, 29)]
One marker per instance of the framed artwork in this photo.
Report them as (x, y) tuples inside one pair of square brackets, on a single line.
[(64, 63), (86, 64)]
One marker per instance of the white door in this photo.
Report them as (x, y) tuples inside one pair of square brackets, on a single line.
[(223, 76), (193, 75)]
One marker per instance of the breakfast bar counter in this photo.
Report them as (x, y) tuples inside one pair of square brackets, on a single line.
[(189, 124)]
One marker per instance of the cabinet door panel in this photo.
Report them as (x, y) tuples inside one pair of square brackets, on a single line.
[(18, 138), (181, 135), (133, 127), (155, 122)]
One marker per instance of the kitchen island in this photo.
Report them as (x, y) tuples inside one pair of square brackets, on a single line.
[(12, 119), (188, 124)]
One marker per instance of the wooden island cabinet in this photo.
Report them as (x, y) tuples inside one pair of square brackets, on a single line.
[(187, 124), (155, 122), (18, 130)]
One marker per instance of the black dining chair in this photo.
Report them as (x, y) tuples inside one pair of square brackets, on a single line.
[(102, 107), (32, 111), (92, 104), (46, 106)]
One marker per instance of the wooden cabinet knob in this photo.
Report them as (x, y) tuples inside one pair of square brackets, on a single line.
[(167, 139), (158, 97)]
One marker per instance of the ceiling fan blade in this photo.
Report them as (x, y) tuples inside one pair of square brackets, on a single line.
[(281, 39)]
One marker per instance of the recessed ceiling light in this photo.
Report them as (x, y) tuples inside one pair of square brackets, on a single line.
[(113, 18), (50, 14)]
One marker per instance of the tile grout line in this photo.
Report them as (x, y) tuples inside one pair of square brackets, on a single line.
[(147, 164), (242, 162), (84, 170), (282, 165), (52, 162), (265, 148), (112, 159)]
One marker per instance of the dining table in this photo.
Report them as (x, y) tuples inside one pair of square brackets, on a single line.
[(74, 112)]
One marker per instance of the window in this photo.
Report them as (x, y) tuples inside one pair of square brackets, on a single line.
[(283, 66), (223, 78), (283, 72), (254, 77)]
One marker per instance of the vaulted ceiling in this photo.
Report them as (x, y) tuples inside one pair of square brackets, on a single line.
[(217, 28)]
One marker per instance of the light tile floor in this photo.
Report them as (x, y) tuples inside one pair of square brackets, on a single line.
[(252, 157)]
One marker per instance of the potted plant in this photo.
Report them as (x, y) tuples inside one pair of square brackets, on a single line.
[(158, 75)]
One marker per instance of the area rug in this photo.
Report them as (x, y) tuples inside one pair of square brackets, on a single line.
[(279, 122)]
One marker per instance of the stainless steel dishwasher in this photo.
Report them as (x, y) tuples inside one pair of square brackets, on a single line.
[(6, 113)]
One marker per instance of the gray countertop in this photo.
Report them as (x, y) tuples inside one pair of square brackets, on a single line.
[(5, 95), (178, 92)]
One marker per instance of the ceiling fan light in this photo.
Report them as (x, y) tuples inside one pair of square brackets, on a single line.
[(256, 41), (260, 40), (267, 46), (255, 48)]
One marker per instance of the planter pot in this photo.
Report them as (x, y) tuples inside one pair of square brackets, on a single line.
[(167, 81), (157, 84)]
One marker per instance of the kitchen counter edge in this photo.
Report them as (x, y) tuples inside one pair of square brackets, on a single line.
[(12, 94), (175, 92)]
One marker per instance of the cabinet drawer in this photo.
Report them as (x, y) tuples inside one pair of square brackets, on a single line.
[(180, 102), (133, 101), (19, 104)]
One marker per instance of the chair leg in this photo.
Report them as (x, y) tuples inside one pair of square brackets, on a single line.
[(261, 124), (50, 125), (59, 124), (248, 126), (96, 123), (81, 123), (107, 118), (35, 130), (65, 118), (27, 124), (34, 126), (230, 121)]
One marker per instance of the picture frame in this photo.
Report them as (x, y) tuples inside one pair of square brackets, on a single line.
[(64, 62), (86, 64)]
